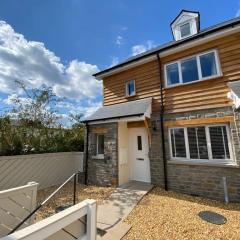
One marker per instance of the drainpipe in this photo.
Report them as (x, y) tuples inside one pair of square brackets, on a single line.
[(86, 154), (162, 125)]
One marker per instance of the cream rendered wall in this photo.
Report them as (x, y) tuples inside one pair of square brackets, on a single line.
[(123, 153)]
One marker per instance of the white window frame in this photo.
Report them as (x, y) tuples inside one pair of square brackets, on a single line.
[(210, 159), (197, 56), (177, 29), (126, 88), (101, 156), (180, 32)]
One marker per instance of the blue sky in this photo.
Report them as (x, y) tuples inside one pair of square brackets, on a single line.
[(63, 42)]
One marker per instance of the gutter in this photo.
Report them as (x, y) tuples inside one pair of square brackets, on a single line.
[(109, 118), (86, 155), (162, 126)]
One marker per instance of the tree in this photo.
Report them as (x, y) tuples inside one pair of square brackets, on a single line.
[(33, 125)]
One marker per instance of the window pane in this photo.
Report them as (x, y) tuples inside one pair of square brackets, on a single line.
[(219, 142), (131, 88), (172, 74), (208, 65), (185, 30), (139, 142), (100, 146), (197, 143), (178, 142), (189, 70)]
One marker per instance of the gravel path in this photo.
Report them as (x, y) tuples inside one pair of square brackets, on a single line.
[(173, 216), (64, 196)]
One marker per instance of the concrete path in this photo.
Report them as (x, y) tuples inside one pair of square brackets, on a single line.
[(120, 203)]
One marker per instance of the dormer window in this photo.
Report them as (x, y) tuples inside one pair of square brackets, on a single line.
[(185, 30), (185, 25)]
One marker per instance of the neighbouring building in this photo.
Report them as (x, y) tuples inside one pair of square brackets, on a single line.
[(170, 115)]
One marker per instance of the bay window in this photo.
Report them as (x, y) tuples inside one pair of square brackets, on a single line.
[(195, 68), (200, 143)]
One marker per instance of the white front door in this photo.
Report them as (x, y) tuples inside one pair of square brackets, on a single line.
[(138, 155)]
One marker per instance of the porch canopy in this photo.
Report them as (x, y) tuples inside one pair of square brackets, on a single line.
[(234, 93), (137, 110)]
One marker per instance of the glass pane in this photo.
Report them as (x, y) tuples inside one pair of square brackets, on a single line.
[(100, 144), (192, 139), (139, 142), (179, 142), (172, 74), (197, 143), (173, 143), (219, 142), (208, 65), (130, 88), (185, 30), (189, 70)]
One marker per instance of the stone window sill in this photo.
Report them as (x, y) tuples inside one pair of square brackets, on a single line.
[(199, 163), (98, 157)]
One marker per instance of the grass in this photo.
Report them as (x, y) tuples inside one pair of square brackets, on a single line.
[(174, 216)]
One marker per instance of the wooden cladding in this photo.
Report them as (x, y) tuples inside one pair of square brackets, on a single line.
[(204, 94), (179, 123), (136, 124)]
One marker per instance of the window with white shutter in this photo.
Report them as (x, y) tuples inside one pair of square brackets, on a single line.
[(209, 143)]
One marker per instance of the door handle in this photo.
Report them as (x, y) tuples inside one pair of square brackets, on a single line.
[(140, 159)]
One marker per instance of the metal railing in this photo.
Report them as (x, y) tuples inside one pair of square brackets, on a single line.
[(74, 177)]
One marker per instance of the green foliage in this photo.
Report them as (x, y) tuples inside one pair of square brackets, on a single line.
[(34, 126)]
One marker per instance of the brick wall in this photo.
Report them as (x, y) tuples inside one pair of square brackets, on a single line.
[(103, 172)]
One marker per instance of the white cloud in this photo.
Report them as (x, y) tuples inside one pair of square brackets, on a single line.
[(238, 11), (137, 49), (77, 107), (119, 41), (124, 28), (32, 63), (115, 61)]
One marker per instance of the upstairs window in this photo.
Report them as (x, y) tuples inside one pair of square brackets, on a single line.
[(130, 88), (185, 30), (199, 67), (211, 143)]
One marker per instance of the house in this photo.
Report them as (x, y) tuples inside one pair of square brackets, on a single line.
[(169, 115)]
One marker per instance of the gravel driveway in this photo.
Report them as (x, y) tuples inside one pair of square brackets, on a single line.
[(174, 216)]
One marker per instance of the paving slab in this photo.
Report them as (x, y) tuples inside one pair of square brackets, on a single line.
[(116, 233), (120, 203)]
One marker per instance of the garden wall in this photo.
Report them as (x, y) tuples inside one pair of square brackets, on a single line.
[(47, 169)]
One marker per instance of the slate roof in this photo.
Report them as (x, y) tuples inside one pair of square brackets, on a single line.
[(121, 110), (235, 87), (227, 24)]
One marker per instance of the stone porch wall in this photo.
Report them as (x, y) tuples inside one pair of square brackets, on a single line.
[(196, 179), (103, 172)]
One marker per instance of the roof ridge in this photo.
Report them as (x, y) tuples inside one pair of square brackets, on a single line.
[(173, 43)]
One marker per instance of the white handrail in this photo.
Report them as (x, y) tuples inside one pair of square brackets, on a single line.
[(49, 226)]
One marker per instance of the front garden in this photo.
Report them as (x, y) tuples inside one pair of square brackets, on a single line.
[(173, 216)]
